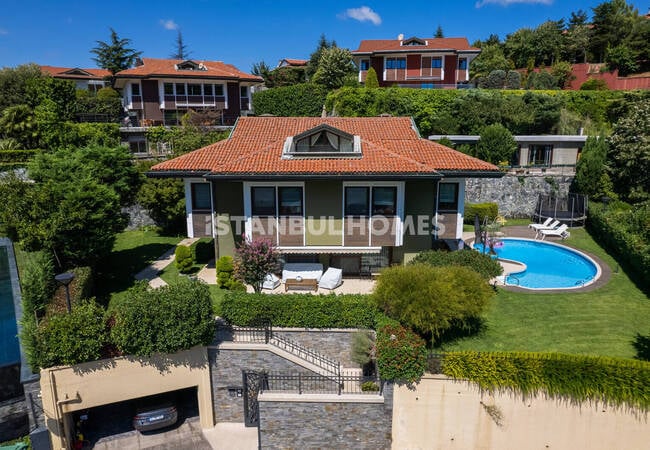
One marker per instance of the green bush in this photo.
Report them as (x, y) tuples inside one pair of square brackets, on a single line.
[(579, 378), (305, 99), (72, 338), (594, 84), (164, 320), (483, 210), (183, 261), (401, 354), (225, 269), (362, 347), (432, 300), (625, 233), (10, 156), (300, 310), (37, 283), (203, 250), (83, 284), (478, 262)]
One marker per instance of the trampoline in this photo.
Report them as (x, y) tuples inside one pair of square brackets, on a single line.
[(570, 209)]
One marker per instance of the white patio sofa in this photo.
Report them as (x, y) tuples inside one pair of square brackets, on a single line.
[(313, 271)]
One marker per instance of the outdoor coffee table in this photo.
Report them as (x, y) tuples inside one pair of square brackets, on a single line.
[(301, 283)]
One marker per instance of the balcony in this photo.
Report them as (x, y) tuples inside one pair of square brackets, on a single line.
[(174, 101)]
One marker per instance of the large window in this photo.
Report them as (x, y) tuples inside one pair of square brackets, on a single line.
[(395, 63), (194, 89), (357, 200), (168, 88), (384, 201), (448, 197), (201, 196), (540, 155), (462, 64), (263, 201), (364, 64), (436, 62), (180, 88), (290, 201)]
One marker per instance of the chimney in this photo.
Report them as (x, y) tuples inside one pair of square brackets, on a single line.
[(400, 37)]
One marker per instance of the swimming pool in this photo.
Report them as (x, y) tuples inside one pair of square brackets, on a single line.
[(9, 349), (548, 265)]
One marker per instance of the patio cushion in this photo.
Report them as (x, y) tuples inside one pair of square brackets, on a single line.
[(331, 279), (304, 270), (270, 282)]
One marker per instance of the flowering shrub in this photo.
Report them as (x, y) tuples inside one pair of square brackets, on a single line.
[(254, 259), (401, 354)]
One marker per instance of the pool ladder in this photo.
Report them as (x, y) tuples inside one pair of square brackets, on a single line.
[(581, 282), (514, 277)]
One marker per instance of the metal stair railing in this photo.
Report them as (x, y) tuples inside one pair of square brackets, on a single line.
[(264, 334)]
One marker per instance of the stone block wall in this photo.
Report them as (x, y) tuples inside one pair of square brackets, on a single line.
[(516, 195), (226, 368), (335, 344), (326, 425)]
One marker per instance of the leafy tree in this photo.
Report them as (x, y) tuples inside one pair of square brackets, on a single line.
[(431, 300), (61, 93), (629, 153), (541, 80), (164, 200), (314, 58), (491, 58), (563, 73), (594, 84), (519, 47), (286, 76), (513, 80), (495, 80), (612, 22), (334, 66), (371, 79), (549, 42), (164, 320), (577, 37), (13, 84), (439, 32), (72, 338), (19, 122), (591, 169), (254, 259), (180, 50), (622, 58), (115, 55), (496, 144), (261, 69)]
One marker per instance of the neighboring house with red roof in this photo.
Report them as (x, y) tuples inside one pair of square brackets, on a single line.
[(161, 91), (288, 62), (88, 79), (416, 62), (330, 189)]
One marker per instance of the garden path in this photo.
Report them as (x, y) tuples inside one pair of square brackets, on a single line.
[(151, 272)]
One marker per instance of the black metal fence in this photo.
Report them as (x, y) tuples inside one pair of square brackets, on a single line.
[(301, 383)]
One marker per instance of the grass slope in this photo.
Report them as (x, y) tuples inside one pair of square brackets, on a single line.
[(601, 322)]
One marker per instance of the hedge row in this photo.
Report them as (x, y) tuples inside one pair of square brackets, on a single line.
[(16, 156), (483, 210), (300, 310), (623, 233), (202, 250), (484, 265), (305, 99), (580, 378)]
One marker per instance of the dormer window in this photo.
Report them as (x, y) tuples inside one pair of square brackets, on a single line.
[(413, 42), (322, 141), (190, 65)]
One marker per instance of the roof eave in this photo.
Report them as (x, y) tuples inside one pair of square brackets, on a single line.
[(177, 173), (473, 173), (324, 176)]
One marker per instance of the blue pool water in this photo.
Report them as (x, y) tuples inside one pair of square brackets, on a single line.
[(548, 266), (9, 350)]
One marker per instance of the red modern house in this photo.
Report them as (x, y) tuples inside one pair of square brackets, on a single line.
[(160, 91), (418, 63)]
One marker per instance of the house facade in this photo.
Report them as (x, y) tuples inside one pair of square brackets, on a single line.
[(161, 91), (85, 79), (536, 151), (327, 189), (425, 63)]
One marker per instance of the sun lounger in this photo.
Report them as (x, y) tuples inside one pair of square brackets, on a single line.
[(540, 226), (546, 223), (560, 231), (331, 279)]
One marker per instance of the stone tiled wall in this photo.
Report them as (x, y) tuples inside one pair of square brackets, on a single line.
[(33, 394), (331, 343), (326, 425), (226, 368), (515, 195)]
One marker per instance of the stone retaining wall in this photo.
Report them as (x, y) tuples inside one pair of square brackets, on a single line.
[(516, 195), (335, 344), (138, 217)]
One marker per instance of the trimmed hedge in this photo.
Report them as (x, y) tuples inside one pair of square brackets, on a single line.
[(12, 156), (483, 210), (624, 233), (580, 378), (300, 310), (83, 284), (202, 250), (485, 266), (305, 99), (183, 259)]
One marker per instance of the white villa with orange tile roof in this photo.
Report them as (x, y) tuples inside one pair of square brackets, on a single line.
[(327, 189)]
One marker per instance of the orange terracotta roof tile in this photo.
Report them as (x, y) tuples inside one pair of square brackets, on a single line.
[(73, 72), (389, 146), (294, 62), (153, 67), (394, 45)]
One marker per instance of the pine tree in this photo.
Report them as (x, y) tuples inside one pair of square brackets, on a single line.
[(181, 51), (439, 33), (116, 55)]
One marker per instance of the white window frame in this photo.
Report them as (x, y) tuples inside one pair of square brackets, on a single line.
[(460, 206), (174, 82), (188, 205), (399, 238)]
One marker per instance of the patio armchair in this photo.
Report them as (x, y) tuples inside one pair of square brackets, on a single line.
[(270, 282), (331, 279)]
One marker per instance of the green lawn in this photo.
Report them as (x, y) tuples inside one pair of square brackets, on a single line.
[(601, 322), (132, 252)]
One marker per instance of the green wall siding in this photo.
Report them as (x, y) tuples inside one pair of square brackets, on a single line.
[(420, 200), (228, 203), (323, 199)]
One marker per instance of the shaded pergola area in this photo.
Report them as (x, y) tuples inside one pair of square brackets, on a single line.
[(570, 209)]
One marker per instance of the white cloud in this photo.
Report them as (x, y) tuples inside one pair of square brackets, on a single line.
[(481, 3), (362, 14), (3, 31), (169, 24)]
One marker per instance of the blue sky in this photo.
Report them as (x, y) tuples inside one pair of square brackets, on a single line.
[(61, 33)]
